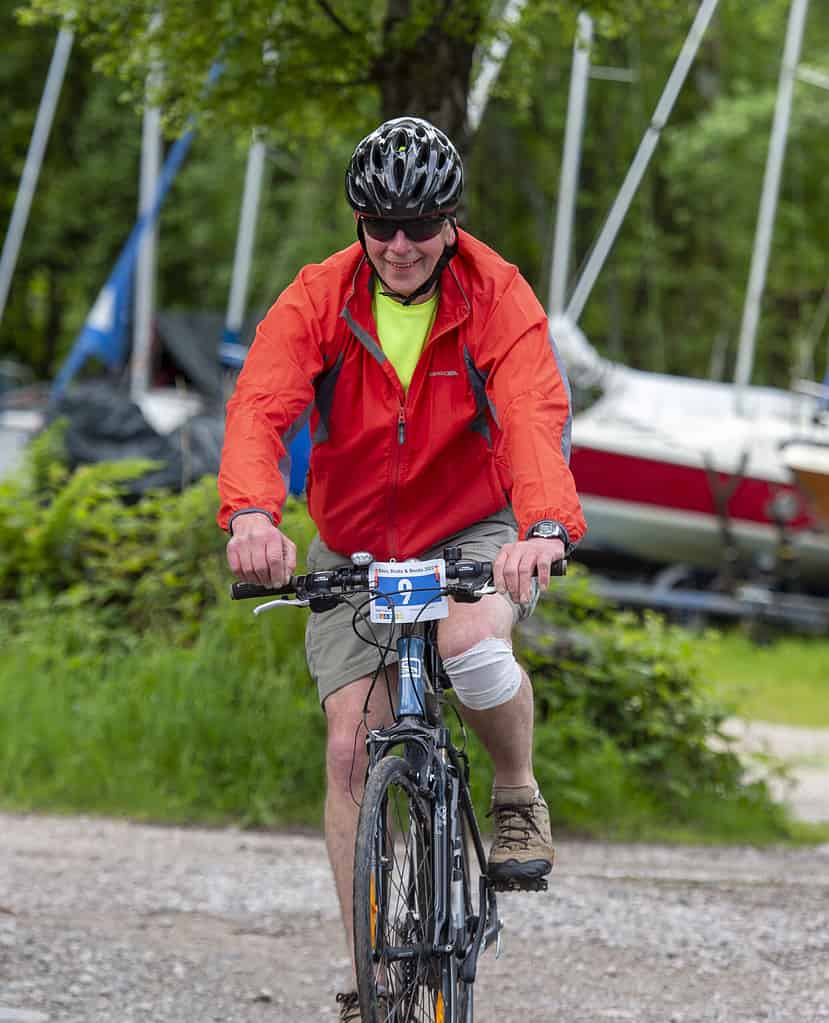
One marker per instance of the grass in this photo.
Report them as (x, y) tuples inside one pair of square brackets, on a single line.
[(227, 728), (217, 731), (785, 682)]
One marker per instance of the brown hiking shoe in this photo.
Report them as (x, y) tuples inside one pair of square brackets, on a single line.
[(522, 851)]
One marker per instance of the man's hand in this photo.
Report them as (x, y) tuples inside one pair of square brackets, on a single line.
[(512, 570), (259, 553)]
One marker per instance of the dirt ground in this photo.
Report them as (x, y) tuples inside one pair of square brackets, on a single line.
[(107, 921), (104, 920), (803, 751)]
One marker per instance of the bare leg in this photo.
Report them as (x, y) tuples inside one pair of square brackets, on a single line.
[(346, 762), (507, 730), (507, 734)]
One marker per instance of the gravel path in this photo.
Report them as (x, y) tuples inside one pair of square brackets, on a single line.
[(803, 751), (110, 922)]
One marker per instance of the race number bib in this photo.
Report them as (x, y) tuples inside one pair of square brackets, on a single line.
[(408, 591)]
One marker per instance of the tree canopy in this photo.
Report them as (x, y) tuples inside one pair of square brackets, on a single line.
[(313, 66), (318, 74)]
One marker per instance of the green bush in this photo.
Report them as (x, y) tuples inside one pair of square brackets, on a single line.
[(622, 713), (73, 535)]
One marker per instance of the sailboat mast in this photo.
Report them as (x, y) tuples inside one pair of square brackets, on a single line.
[(490, 68), (768, 200), (147, 249), (34, 159), (636, 171), (568, 182), (246, 235)]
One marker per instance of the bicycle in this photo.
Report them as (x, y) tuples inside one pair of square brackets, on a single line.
[(419, 927)]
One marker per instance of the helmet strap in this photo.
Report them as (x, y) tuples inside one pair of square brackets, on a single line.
[(448, 252)]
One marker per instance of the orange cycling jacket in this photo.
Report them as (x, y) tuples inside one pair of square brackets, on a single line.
[(485, 422)]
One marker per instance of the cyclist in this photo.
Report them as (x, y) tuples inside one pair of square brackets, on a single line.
[(440, 415)]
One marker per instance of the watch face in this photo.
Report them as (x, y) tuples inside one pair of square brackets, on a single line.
[(547, 530)]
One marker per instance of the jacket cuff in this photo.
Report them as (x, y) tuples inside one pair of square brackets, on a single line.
[(248, 511)]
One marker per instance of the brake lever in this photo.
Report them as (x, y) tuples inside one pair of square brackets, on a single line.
[(282, 602), (469, 595)]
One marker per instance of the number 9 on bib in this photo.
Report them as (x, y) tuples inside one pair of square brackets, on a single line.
[(408, 591)]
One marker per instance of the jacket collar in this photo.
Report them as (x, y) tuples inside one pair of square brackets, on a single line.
[(453, 304)]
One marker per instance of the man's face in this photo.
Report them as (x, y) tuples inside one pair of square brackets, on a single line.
[(404, 264)]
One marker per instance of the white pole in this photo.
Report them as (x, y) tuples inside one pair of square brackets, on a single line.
[(145, 271), (568, 182), (490, 68), (768, 200), (34, 159), (243, 256), (147, 254), (637, 169)]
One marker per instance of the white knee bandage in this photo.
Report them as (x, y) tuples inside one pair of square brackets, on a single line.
[(484, 676)]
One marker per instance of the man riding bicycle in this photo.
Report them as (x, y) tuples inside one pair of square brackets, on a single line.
[(440, 416)]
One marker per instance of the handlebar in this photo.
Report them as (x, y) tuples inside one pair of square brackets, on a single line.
[(463, 576)]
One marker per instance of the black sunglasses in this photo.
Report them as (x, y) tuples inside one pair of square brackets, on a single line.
[(383, 230)]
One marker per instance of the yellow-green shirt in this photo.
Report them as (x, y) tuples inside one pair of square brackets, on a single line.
[(403, 330)]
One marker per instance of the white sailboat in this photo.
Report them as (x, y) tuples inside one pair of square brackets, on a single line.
[(675, 469)]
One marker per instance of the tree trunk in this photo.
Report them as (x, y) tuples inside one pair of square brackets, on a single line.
[(428, 75)]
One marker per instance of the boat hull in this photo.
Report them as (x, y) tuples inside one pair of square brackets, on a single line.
[(666, 511)]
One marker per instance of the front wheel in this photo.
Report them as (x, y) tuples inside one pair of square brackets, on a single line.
[(399, 978)]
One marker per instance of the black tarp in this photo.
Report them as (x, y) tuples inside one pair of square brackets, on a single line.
[(105, 424)]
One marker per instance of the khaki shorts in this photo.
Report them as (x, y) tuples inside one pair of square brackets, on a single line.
[(337, 657)]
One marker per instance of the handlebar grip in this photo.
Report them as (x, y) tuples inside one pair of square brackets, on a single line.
[(559, 567), (242, 591)]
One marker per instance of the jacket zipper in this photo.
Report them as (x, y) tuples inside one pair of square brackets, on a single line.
[(401, 440)]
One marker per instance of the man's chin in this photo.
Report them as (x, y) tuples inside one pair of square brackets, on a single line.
[(405, 285)]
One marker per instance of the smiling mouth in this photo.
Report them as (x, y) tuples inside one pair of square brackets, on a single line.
[(402, 266)]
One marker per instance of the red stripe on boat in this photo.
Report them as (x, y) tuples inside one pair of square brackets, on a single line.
[(622, 477)]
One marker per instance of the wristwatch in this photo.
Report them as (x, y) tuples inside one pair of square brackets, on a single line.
[(547, 529)]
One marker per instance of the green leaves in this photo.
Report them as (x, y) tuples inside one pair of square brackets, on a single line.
[(611, 680), (73, 536)]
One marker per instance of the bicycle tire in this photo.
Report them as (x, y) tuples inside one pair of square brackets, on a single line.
[(397, 975), (457, 992)]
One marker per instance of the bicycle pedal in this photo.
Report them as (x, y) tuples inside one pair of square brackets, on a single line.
[(535, 884)]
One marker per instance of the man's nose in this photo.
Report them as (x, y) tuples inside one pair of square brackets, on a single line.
[(400, 243)]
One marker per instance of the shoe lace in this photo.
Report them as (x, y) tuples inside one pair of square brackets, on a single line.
[(514, 824), (350, 1012), (350, 1001)]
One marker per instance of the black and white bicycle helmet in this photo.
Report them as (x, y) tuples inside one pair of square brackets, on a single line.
[(405, 168)]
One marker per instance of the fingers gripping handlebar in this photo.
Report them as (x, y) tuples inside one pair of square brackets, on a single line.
[(463, 578)]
